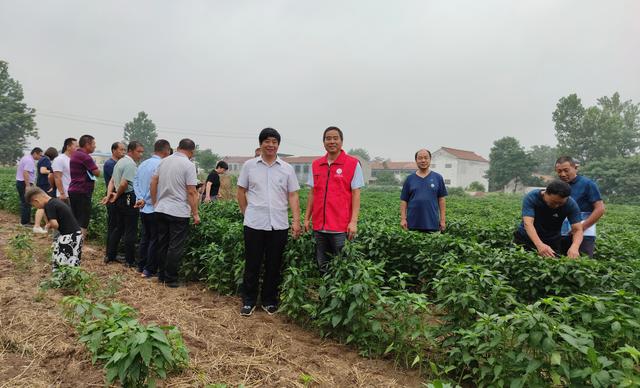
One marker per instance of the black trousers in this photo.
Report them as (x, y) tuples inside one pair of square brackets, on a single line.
[(263, 246), (148, 258), (526, 242), (172, 238), (25, 208), (111, 220), (126, 218), (327, 246)]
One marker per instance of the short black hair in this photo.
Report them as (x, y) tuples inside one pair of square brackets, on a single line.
[(565, 159), (115, 146), (558, 187), (222, 164), (36, 150), (415, 157), (187, 145), (133, 144), (67, 142), (31, 192), (267, 133), (51, 153), (324, 134), (161, 145), (84, 140)]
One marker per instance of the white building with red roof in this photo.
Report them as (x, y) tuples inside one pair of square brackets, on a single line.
[(460, 168)]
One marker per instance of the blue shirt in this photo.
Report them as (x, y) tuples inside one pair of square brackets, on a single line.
[(43, 180), (142, 182), (585, 192), (547, 221), (421, 195), (107, 170)]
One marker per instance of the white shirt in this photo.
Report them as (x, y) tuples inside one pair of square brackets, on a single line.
[(268, 189), (61, 164), (175, 173)]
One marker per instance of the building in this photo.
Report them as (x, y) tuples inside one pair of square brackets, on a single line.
[(515, 185), (459, 168)]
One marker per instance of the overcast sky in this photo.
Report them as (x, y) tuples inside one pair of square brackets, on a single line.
[(394, 75)]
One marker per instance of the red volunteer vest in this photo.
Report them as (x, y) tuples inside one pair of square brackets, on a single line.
[(332, 192)]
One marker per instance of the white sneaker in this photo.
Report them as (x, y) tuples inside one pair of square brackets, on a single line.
[(37, 229)]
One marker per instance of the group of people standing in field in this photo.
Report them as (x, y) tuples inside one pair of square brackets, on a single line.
[(162, 192)]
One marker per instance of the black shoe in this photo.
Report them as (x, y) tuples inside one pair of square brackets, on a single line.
[(172, 284), (270, 309), (247, 310), (121, 259), (107, 260)]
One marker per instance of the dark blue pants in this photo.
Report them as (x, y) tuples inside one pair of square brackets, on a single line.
[(327, 246), (148, 258), (586, 248), (25, 208)]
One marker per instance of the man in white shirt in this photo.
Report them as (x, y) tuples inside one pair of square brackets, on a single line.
[(62, 171), (267, 186)]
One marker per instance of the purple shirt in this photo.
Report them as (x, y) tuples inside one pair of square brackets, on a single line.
[(80, 166), (27, 163)]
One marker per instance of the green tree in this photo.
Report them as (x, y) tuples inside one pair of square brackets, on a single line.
[(544, 158), (141, 129), (361, 152), (617, 178), (507, 160), (607, 130), (476, 186), (386, 178), (16, 118), (206, 159)]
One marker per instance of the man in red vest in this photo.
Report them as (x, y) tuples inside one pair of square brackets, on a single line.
[(334, 200)]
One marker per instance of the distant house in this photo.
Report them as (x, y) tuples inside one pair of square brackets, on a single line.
[(459, 168), (301, 165), (101, 157), (515, 185)]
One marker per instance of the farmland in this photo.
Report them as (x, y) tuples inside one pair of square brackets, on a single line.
[(465, 306)]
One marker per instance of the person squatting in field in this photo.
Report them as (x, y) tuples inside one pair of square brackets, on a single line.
[(543, 212), (422, 200), (67, 247), (175, 199), (333, 203), (587, 195), (267, 186), (148, 259), (122, 196)]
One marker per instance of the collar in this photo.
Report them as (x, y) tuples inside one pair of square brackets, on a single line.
[(260, 160), (339, 160), (180, 154), (154, 156), (127, 156), (575, 179)]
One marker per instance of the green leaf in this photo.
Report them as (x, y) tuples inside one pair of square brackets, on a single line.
[(145, 352), (556, 358)]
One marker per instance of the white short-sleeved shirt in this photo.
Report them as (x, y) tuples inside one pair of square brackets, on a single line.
[(268, 189), (175, 173), (62, 164)]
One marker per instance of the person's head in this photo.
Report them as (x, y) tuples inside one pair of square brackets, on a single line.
[(187, 147), (332, 139), (556, 193), (87, 143), (135, 149), (566, 168), (36, 197), (118, 150), (269, 140), (162, 148), (256, 153), (51, 153), (221, 167), (70, 145), (36, 153), (423, 158)]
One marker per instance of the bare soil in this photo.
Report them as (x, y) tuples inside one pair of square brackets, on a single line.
[(39, 349)]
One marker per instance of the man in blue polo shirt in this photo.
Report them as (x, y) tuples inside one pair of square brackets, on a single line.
[(422, 201), (543, 212), (587, 195)]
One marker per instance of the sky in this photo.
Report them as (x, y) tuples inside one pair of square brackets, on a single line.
[(395, 76)]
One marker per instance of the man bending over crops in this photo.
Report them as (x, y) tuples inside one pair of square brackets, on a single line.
[(67, 248), (587, 195), (422, 201), (334, 200), (543, 212), (267, 186)]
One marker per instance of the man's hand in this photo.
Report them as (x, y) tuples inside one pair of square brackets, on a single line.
[(296, 230), (546, 251), (112, 197), (352, 229), (573, 253), (403, 224), (196, 219), (62, 197), (443, 225), (307, 226), (103, 201), (207, 199), (139, 204)]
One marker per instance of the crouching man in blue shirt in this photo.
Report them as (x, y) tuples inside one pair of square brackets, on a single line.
[(543, 212)]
